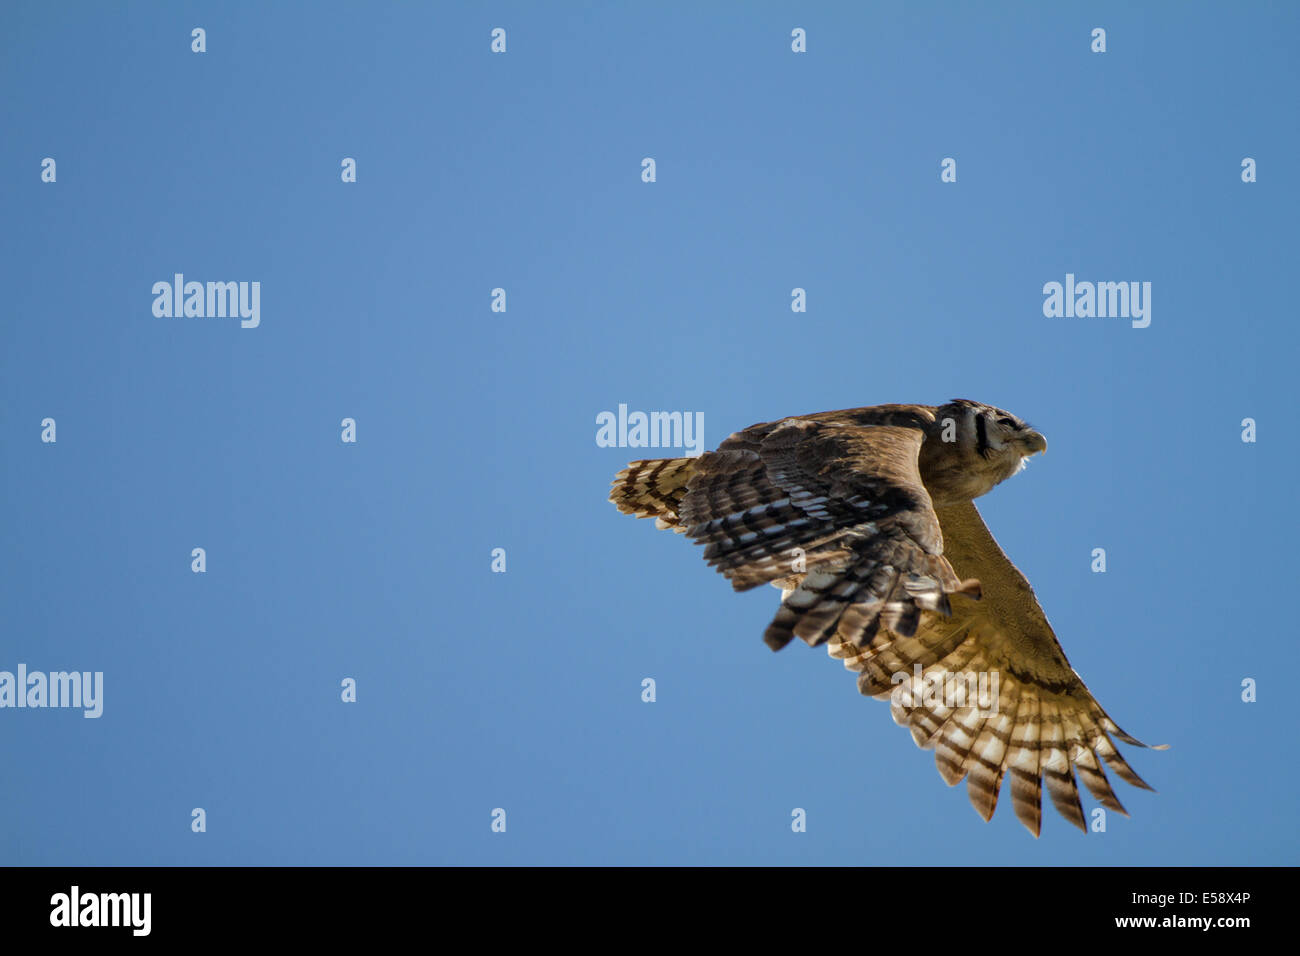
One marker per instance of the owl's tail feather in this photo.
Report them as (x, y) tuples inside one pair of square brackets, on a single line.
[(654, 488)]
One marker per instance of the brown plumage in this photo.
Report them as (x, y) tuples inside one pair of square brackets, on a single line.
[(864, 518)]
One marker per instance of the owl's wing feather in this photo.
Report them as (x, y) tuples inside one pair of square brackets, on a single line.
[(840, 503), (1042, 723)]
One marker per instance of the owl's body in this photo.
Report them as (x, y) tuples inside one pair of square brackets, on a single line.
[(864, 518)]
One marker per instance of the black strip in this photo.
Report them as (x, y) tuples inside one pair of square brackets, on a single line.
[(226, 904), (981, 431)]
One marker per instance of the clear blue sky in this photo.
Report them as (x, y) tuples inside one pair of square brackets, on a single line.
[(476, 429)]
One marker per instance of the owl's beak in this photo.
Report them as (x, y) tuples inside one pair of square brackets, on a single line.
[(1033, 443)]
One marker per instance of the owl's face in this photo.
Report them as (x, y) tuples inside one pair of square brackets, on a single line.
[(1003, 434), (973, 447)]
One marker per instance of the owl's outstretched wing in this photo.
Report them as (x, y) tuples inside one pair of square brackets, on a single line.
[(834, 509), (1038, 720)]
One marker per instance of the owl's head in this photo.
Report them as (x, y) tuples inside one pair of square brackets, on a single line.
[(972, 447)]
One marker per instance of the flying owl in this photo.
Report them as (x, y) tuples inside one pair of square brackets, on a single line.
[(864, 519)]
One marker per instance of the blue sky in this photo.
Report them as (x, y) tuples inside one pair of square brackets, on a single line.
[(476, 429)]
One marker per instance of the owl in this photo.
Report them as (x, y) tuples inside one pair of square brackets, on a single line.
[(865, 519)]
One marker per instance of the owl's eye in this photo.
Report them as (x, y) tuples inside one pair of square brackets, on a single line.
[(1008, 421)]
